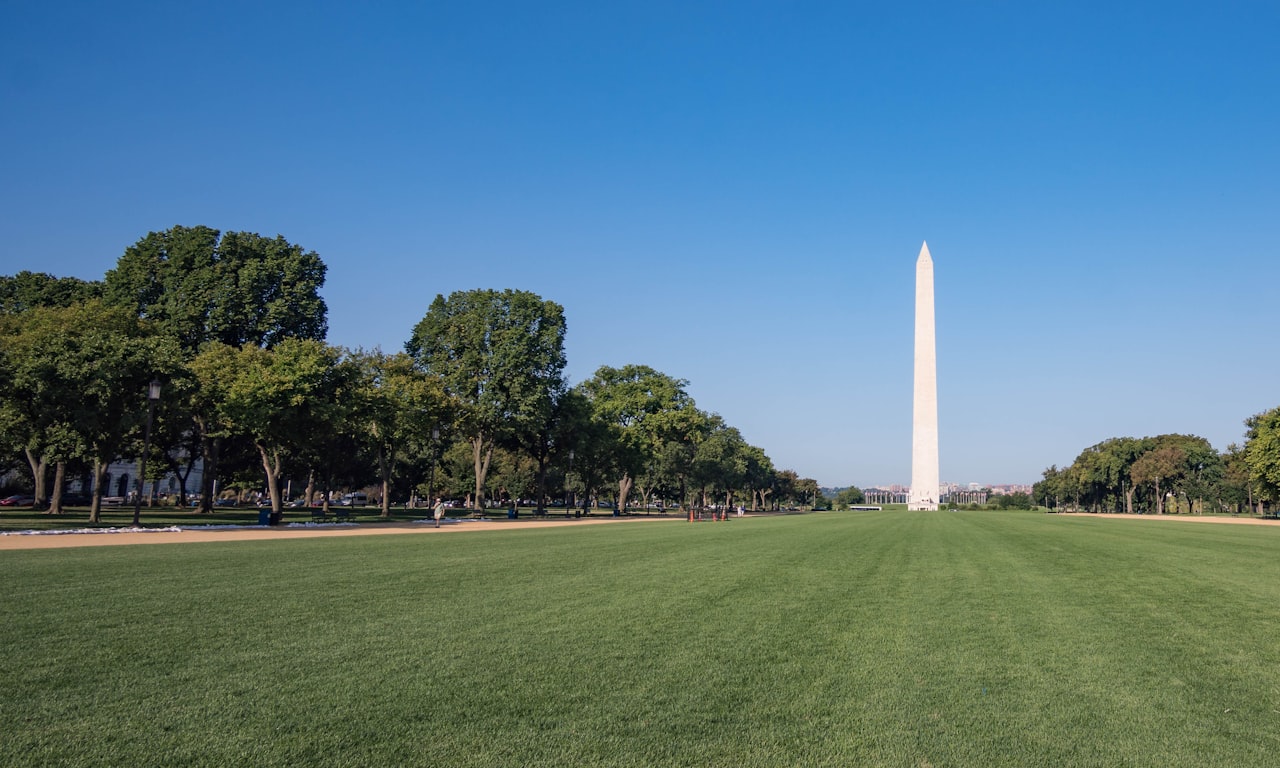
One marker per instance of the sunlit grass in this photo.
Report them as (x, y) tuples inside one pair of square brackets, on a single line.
[(832, 639)]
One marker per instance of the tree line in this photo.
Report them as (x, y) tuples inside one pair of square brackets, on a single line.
[(1171, 473), (233, 327)]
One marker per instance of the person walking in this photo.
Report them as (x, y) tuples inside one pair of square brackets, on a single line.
[(439, 510)]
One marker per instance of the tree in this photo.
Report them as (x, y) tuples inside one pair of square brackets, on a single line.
[(721, 461), (18, 294), (1262, 454), (1159, 465), (760, 475), (647, 407), (850, 497), (82, 373), (1047, 492), (573, 429), (28, 290), (239, 288), (500, 356), (1200, 471), (1236, 488), (283, 400), (398, 406), (784, 486), (806, 490)]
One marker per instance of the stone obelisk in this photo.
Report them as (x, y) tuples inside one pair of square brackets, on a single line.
[(924, 411)]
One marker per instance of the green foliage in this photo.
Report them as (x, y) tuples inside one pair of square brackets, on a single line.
[(238, 288), (1017, 500), (500, 357), (1121, 472), (79, 375), (849, 497), (1262, 453), (992, 639), (287, 400), (28, 290), (394, 409)]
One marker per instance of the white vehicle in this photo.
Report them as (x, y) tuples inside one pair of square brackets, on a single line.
[(355, 500)]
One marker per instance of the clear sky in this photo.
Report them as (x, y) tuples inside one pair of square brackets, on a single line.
[(732, 193)]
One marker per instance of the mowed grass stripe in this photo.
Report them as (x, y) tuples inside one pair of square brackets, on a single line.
[(837, 639)]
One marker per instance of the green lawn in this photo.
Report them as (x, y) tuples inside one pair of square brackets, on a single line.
[(844, 639)]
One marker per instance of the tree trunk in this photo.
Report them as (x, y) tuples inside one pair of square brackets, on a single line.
[(482, 454), (55, 500), (182, 471), (271, 466), (541, 509), (39, 468), (95, 505), (211, 447), (386, 459), (624, 490), (1128, 499)]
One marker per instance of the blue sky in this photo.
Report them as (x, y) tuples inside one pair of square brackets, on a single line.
[(734, 194)]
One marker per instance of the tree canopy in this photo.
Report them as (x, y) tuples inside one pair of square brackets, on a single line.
[(500, 356), (240, 288)]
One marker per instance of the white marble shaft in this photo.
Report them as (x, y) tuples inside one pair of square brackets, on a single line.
[(924, 412)]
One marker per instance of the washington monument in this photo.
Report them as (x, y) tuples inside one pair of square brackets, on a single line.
[(924, 411)]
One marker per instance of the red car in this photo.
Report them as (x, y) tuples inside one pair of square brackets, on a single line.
[(22, 500)]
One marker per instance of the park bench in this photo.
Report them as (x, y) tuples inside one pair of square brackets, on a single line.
[(344, 514), (317, 515)]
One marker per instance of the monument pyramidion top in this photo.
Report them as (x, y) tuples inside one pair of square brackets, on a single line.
[(924, 252)]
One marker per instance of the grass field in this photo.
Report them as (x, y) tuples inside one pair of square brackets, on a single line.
[(845, 639)]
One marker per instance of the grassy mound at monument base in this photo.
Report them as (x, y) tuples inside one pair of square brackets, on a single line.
[(857, 638)]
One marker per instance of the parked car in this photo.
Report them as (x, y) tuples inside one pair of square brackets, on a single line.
[(19, 500)]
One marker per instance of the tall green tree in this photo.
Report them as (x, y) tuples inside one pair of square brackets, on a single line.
[(283, 399), (849, 497), (82, 372), (760, 476), (28, 290), (649, 409), (500, 356), (19, 293), (1159, 466), (239, 288), (1262, 454), (201, 286), (398, 407), (720, 462)]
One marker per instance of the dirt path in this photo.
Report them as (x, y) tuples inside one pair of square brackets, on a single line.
[(55, 541), (1178, 518)]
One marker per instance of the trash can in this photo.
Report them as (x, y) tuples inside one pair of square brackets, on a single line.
[(264, 516), (512, 514)]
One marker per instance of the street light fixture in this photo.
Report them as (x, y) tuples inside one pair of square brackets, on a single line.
[(153, 394)]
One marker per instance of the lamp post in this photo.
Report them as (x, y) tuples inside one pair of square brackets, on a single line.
[(567, 504), (431, 471), (153, 394)]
